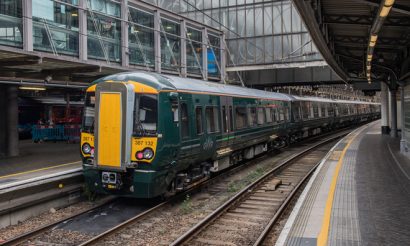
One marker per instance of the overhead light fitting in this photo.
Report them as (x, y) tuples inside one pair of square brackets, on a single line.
[(386, 8), (373, 38), (369, 57), (388, 2), (32, 88), (385, 11)]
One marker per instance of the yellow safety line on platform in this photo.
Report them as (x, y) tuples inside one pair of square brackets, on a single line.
[(40, 169), (324, 232)]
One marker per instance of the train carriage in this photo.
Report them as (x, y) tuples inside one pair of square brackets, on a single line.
[(146, 135)]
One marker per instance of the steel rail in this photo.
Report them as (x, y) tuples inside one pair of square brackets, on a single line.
[(282, 208), (31, 234), (228, 204), (201, 185), (179, 196)]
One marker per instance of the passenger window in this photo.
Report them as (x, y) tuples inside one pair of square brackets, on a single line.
[(252, 116), (224, 119), (198, 117), (184, 121), (281, 115), (260, 116), (295, 110), (240, 117), (211, 114), (230, 119), (330, 110), (287, 114), (315, 111), (306, 110), (277, 115), (268, 115)]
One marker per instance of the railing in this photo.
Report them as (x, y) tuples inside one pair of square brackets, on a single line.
[(70, 133)]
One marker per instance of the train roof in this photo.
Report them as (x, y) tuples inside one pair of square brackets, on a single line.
[(168, 82), (328, 100)]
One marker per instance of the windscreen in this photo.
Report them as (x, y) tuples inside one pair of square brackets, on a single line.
[(146, 117)]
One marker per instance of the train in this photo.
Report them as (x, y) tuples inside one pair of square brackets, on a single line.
[(146, 135)]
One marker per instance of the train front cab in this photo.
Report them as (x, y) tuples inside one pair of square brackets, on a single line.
[(120, 153)]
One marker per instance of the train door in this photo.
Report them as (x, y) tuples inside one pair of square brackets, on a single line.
[(227, 121), (185, 119)]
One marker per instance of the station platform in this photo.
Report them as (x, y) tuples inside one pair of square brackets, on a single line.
[(359, 195), (39, 161)]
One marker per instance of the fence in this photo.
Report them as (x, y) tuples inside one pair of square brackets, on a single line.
[(69, 133)]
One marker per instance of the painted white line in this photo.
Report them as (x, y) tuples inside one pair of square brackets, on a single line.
[(40, 178), (397, 162)]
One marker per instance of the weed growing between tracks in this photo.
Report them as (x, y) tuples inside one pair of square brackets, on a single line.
[(186, 206), (237, 185)]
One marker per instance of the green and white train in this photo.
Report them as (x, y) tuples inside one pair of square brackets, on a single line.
[(146, 135)]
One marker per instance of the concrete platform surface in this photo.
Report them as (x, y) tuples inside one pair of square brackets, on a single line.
[(359, 195), (39, 159)]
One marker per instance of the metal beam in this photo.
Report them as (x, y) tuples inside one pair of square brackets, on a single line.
[(183, 48), (365, 20), (396, 7), (27, 25), (157, 41), (365, 40), (19, 62), (124, 34), (82, 22), (319, 63), (72, 70), (309, 16), (205, 53)]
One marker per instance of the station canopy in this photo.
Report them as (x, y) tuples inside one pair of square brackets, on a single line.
[(364, 41)]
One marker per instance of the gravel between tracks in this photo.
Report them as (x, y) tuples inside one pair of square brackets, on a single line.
[(163, 227), (43, 219)]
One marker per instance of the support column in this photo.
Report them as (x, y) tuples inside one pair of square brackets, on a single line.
[(403, 144), (157, 41), (82, 22), (385, 108), (27, 25), (3, 127), (183, 49), (205, 53), (12, 121), (223, 58), (124, 34), (9, 137), (393, 109)]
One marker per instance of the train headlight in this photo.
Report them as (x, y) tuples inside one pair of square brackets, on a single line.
[(148, 153), (86, 148)]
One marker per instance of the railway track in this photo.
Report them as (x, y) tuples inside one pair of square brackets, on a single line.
[(249, 216), (284, 188), (93, 239)]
